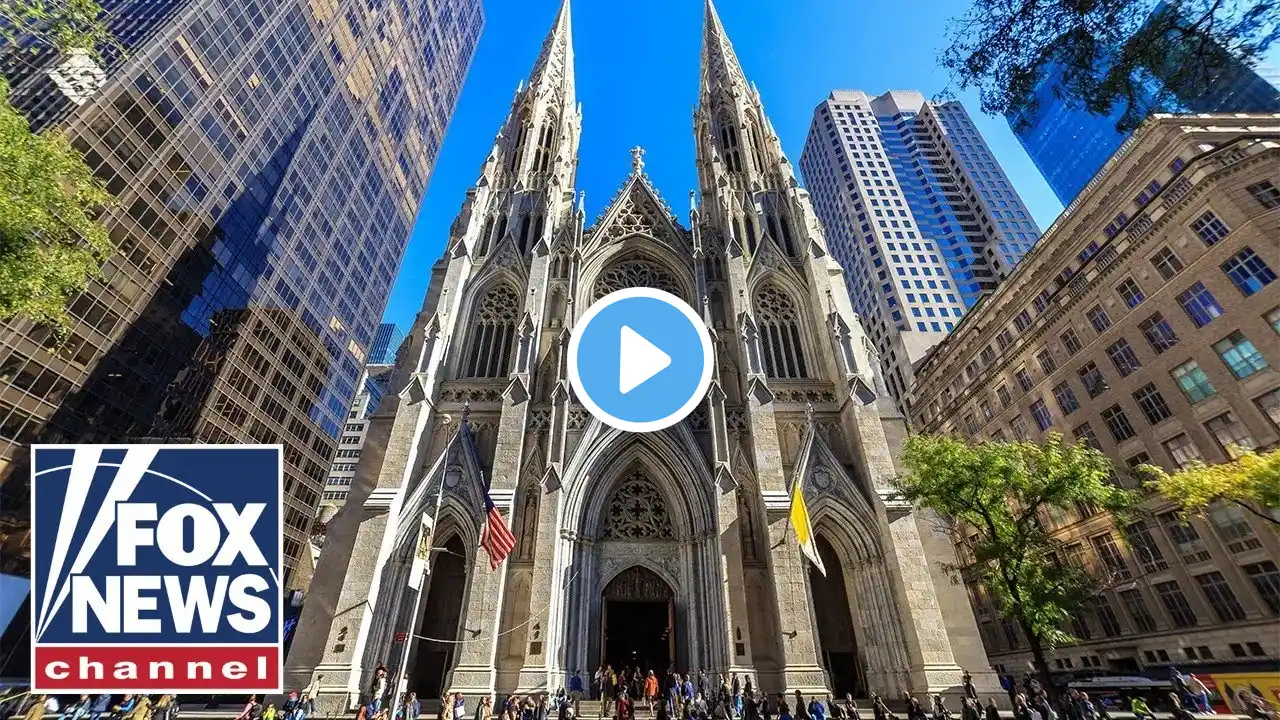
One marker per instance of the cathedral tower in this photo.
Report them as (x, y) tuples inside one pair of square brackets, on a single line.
[(668, 549)]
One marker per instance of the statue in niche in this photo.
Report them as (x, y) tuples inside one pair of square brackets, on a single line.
[(528, 524), (749, 550)]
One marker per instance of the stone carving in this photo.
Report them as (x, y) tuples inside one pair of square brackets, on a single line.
[(632, 274), (539, 419), (659, 556), (638, 583), (637, 511)]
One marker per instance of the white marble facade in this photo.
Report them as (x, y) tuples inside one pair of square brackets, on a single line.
[(694, 516)]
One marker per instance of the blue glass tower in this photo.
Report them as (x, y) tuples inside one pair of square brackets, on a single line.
[(1069, 144)]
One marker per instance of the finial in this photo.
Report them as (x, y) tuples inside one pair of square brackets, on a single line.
[(637, 160), (808, 412), (466, 411)]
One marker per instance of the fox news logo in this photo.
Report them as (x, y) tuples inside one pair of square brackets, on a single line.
[(156, 568)]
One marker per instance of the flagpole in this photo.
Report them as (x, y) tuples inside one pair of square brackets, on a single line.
[(403, 681)]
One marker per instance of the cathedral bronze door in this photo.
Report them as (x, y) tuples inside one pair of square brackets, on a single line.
[(638, 621)]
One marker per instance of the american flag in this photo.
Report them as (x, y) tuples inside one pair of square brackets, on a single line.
[(495, 537)]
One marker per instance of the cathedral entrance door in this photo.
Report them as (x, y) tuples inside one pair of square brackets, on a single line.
[(638, 619), (433, 654)]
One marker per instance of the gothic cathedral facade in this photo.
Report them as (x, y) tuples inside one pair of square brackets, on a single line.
[(666, 549)]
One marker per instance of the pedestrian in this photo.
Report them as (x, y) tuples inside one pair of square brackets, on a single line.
[(141, 709), (80, 709), (940, 711), (915, 711), (245, 714), (1021, 711), (766, 710), (1087, 710), (784, 711), (36, 710), (459, 707), (165, 708), (1140, 709), (970, 691), (992, 712), (650, 690), (576, 690), (1200, 693), (970, 709), (1179, 710), (101, 706), (378, 688), (816, 710)]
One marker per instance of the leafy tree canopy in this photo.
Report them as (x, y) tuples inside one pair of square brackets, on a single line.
[(51, 243), (1251, 481), (994, 494), (1099, 52), (62, 24)]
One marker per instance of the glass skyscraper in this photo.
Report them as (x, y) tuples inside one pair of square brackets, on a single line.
[(269, 158), (918, 212), (1069, 144)]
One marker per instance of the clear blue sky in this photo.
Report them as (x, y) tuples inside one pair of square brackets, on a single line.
[(637, 80)]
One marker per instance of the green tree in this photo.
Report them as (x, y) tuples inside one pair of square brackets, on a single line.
[(1104, 48), (51, 241), (1251, 481), (993, 495), (64, 25)]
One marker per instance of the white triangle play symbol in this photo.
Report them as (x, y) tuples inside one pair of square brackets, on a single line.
[(640, 360)]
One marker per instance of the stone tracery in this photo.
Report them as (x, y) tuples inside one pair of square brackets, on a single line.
[(637, 511), (635, 273)]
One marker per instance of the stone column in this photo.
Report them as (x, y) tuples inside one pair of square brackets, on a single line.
[(800, 667), (540, 671), (733, 585), (932, 663), (329, 643)]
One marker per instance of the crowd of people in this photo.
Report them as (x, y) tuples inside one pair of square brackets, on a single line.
[(101, 707)]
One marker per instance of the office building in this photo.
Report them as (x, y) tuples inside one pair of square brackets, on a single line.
[(1069, 144), (385, 344), (1146, 323), (373, 385), (268, 158), (918, 212)]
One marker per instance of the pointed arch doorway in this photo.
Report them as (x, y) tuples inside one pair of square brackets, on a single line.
[(638, 618), (833, 616)]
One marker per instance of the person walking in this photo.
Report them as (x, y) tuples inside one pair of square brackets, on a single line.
[(992, 712), (970, 691), (816, 710), (576, 690), (1200, 693), (1140, 709), (784, 712), (1021, 711), (101, 706), (650, 690)]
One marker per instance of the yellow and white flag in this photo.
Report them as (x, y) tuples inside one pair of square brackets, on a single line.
[(804, 530)]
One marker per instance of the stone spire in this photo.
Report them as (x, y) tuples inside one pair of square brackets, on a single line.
[(554, 69), (720, 68)]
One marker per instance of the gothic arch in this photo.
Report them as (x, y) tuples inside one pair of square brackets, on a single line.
[(672, 461), (633, 263), (491, 339), (780, 321)]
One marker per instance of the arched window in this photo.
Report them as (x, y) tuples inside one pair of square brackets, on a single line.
[(729, 146), (519, 147), (635, 273), (780, 339), (493, 334), (546, 138), (486, 237), (524, 232)]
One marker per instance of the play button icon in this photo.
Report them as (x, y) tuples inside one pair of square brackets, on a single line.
[(640, 359)]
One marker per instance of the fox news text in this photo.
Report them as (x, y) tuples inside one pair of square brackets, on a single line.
[(156, 568)]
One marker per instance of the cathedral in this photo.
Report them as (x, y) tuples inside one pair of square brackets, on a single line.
[(669, 549)]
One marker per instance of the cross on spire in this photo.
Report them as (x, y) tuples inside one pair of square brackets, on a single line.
[(637, 160)]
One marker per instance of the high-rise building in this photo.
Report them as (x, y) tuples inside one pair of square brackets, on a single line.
[(269, 157), (373, 385), (1146, 323), (918, 212), (1069, 144), (669, 548), (385, 344)]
